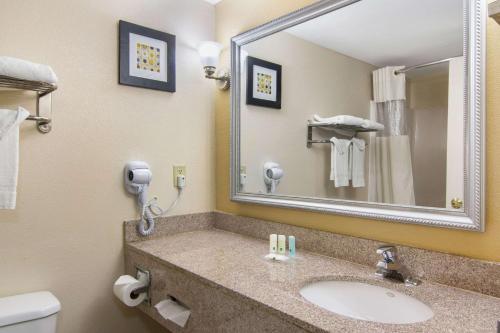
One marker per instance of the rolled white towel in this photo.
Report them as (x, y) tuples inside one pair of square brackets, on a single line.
[(26, 70), (349, 120), (370, 124), (340, 120)]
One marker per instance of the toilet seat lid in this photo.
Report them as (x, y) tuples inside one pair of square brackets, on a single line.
[(24, 307)]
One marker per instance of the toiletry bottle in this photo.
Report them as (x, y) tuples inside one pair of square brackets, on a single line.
[(281, 244), (273, 243), (291, 246)]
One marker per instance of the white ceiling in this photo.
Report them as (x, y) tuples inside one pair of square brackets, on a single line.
[(390, 32), (213, 2)]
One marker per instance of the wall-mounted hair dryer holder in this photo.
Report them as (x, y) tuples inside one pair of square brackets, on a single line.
[(137, 179), (272, 176)]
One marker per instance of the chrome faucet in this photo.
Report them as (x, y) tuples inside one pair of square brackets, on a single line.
[(389, 268)]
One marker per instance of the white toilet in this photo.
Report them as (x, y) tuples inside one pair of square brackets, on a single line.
[(29, 313)]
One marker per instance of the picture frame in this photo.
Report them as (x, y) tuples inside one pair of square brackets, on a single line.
[(263, 83), (146, 57)]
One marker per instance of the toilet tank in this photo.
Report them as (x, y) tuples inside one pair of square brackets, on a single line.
[(29, 313)]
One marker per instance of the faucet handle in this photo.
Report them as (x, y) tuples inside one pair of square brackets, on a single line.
[(388, 252)]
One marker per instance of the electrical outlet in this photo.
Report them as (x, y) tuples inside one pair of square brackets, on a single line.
[(243, 169), (179, 170)]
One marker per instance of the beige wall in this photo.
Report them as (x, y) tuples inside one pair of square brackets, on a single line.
[(312, 78), (66, 233), (236, 16)]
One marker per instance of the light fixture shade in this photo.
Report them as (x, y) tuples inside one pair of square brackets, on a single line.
[(209, 53)]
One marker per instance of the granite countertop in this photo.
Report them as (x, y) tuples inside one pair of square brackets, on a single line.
[(236, 263)]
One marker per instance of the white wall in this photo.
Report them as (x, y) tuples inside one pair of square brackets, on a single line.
[(66, 233), (315, 80)]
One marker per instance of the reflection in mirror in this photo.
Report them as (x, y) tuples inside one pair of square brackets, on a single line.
[(364, 103)]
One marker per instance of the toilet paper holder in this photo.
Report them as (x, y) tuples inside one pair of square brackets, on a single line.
[(142, 275)]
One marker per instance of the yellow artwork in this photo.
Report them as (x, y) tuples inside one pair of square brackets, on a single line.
[(264, 83), (148, 57)]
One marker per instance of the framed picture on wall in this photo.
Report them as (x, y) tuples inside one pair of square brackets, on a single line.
[(147, 57), (263, 83)]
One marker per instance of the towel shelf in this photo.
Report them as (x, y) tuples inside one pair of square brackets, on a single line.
[(42, 89), (353, 131)]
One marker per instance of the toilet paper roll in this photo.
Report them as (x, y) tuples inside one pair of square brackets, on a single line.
[(124, 287)]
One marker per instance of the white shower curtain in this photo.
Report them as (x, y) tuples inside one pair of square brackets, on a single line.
[(390, 175)]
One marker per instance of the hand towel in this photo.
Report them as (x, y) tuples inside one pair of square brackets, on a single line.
[(26, 70), (339, 167), (9, 155), (357, 162)]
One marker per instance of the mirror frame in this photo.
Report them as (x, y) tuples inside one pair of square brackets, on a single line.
[(471, 218)]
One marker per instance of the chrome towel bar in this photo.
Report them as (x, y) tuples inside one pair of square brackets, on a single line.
[(42, 89), (352, 130)]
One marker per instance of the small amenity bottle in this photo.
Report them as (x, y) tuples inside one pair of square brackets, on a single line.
[(281, 244), (291, 246), (273, 243)]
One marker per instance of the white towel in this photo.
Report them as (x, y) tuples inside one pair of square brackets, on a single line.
[(340, 120), (9, 155), (370, 124), (26, 70), (349, 120), (357, 162), (339, 167), (388, 86)]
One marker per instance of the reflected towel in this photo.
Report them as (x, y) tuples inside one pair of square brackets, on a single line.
[(370, 124), (339, 120), (9, 155), (339, 167), (349, 120), (357, 162), (26, 70)]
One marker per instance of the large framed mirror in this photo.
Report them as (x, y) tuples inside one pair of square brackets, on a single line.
[(367, 108)]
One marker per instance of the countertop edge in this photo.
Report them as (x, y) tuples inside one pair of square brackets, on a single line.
[(251, 301)]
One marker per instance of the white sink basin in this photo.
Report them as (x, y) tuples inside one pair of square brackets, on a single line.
[(366, 302)]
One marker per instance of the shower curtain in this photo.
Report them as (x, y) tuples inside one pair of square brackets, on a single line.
[(390, 175)]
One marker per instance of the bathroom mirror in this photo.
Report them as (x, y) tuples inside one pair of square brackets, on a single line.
[(369, 108)]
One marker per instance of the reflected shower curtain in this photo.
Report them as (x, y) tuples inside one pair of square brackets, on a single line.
[(390, 175)]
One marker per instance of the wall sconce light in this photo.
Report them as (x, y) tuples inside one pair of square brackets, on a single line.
[(209, 54)]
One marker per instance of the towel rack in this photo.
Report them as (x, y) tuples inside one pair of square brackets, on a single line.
[(353, 129), (42, 89)]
